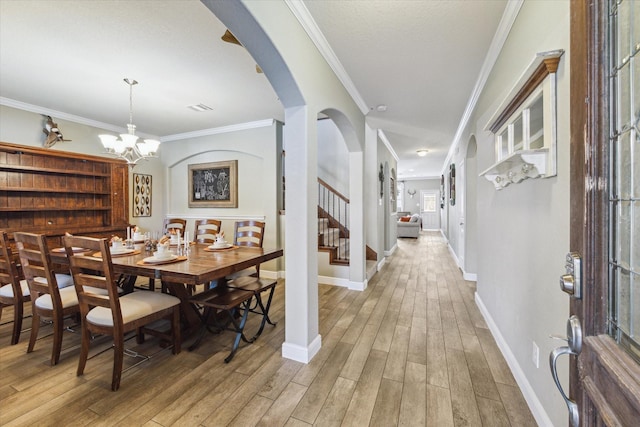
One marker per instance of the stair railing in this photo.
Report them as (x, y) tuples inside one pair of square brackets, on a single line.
[(335, 208)]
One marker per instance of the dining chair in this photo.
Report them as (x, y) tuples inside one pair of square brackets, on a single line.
[(115, 315), (52, 294), (251, 233), (13, 291), (174, 224), (206, 230), (168, 225)]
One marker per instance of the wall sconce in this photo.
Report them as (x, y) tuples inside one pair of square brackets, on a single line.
[(381, 178), (412, 192)]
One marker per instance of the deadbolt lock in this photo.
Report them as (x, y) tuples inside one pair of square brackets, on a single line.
[(571, 281)]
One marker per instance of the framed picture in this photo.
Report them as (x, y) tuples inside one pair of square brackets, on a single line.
[(141, 194), (213, 185), (452, 184)]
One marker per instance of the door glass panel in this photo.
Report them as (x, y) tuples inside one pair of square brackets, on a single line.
[(428, 202), (536, 124), (517, 134), (624, 233)]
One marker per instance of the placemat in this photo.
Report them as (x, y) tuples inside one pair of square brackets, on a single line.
[(169, 261)]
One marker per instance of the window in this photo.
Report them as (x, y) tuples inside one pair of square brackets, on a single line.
[(624, 169), (429, 202)]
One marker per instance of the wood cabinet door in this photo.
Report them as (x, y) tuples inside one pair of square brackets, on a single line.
[(119, 195)]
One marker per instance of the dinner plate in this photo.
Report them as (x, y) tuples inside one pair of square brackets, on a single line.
[(225, 246), (120, 251), (154, 260)]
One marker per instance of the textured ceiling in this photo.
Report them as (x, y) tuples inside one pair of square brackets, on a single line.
[(421, 58)]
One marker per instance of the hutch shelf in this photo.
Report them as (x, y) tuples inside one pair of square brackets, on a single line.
[(57, 192)]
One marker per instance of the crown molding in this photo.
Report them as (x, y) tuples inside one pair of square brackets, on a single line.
[(506, 22), (309, 25), (387, 144), (218, 130), (8, 102)]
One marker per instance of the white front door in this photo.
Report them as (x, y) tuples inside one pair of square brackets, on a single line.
[(429, 210)]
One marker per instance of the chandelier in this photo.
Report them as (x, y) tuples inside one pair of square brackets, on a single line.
[(128, 146)]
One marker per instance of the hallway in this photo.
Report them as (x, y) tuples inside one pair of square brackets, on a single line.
[(410, 350)]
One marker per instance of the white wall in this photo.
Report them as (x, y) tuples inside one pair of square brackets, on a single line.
[(333, 157), (523, 230), (257, 151), (413, 204)]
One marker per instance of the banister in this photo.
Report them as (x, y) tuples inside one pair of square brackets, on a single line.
[(333, 190)]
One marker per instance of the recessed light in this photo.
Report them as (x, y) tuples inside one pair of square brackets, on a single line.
[(381, 108), (422, 152)]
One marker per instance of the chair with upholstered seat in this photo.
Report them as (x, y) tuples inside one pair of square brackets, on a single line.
[(115, 315), (206, 230), (13, 291), (250, 233), (52, 294)]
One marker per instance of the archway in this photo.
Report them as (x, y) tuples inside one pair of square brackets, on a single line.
[(305, 85), (470, 266)]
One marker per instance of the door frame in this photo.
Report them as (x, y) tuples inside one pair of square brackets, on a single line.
[(604, 379)]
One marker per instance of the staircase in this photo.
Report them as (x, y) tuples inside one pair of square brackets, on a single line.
[(333, 225)]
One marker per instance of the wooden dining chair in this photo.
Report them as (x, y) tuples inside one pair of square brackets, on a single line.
[(52, 294), (13, 291), (168, 225), (174, 224), (115, 315), (251, 233), (206, 230)]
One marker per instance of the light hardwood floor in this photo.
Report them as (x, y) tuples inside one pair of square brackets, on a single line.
[(411, 350)]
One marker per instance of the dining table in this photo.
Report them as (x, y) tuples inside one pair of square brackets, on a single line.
[(201, 264)]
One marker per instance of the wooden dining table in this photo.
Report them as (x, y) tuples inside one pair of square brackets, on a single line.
[(201, 266)]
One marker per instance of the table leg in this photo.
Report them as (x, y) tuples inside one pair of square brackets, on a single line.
[(188, 310)]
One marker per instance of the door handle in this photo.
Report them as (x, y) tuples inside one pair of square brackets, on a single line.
[(574, 347)]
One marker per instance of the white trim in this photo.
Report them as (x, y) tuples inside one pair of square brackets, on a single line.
[(381, 264), (342, 282), (392, 250), (109, 127), (309, 25), (471, 277), (299, 353), (220, 217), (387, 144), (536, 407), (268, 274), (454, 255), (66, 116), (500, 37), (218, 130)]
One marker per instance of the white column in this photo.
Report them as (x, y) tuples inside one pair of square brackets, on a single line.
[(302, 340), (357, 250)]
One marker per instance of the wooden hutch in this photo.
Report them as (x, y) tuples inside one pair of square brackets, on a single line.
[(53, 192)]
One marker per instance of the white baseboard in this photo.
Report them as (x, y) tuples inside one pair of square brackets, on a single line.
[(472, 277), (381, 264), (453, 254), (392, 250), (345, 283), (541, 416), (299, 353), (267, 274)]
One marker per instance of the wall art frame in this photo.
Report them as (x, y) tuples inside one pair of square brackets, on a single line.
[(213, 185), (142, 185)]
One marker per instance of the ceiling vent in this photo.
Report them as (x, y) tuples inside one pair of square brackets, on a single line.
[(200, 107)]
